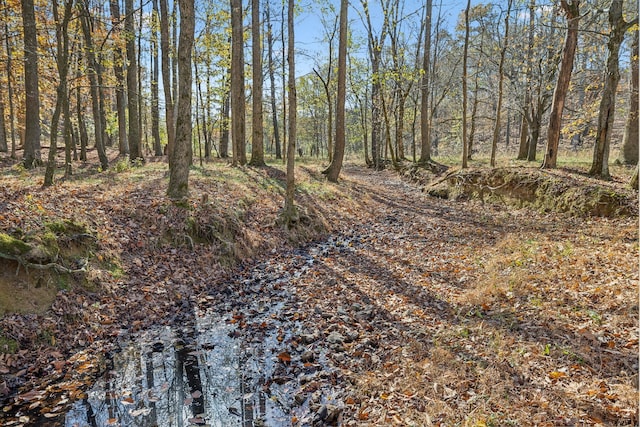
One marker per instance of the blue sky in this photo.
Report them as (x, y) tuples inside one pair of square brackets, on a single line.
[(310, 32)]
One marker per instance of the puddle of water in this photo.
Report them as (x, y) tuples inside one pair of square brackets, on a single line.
[(162, 380), (210, 373)]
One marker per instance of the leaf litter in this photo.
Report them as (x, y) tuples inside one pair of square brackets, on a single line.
[(413, 311)]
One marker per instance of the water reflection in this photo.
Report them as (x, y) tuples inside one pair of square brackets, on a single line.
[(194, 376)]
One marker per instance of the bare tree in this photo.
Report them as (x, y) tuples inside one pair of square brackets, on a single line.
[(600, 164), (166, 75), (181, 155), (338, 155), (425, 113), (290, 214), (135, 145), (121, 104), (272, 79), (524, 127), (257, 140), (572, 11), (92, 62), (32, 156), (155, 107), (375, 46), (62, 62), (465, 146), (237, 85), (503, 51), (630, 138)]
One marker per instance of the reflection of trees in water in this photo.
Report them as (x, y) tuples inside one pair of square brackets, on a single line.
[(187, 365), (167, 383)]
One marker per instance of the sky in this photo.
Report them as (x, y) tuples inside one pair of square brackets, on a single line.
[(310, 33)]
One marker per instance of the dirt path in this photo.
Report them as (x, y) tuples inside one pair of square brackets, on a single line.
[(415, 311), (434, 313)]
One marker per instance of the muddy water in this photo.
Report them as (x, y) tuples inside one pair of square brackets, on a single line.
[(213, 372)]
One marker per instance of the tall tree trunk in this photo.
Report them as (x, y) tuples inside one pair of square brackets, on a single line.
[(465, 147), (132, 85), (32, 156), (62, 62), (290, 213), (257, 139), (600, 164), (224, 119), (503, 51), (68, 133), (338, 155), (272, 79), (155, 107), (476, 101), (523, 151), (327, 92), (237, 85), (425, 114), (181, 155), (166, 75), (572, 12), (4, 146), (12, 123), (375, 47), (284, 83), (83, 137), (94, 86), (142, 130), (630, 138), (121, 103), (633, 183)]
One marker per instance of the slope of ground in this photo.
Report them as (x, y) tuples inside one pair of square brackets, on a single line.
[(425, 311)]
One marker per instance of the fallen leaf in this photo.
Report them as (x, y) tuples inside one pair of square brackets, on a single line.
[(557, 374), (284, 357)]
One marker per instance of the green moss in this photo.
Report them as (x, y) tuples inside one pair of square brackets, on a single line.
[(66, 227), (11, 246), (8, 345)]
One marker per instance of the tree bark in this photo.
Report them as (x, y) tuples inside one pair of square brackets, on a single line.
[(155, 107), (600, 164), (465, 147), (4, 146), (181, 155), (32, 155), (523, 151), (425, 110), (375, 46), (224, 122), (62, 62), (257, 139), (12, 125), (572, 11), (121, 102), (94, 87), (497, 124), (290, 213), (237, 85), (272, 79), (166, 75), (630, 138), (135, 148), (338, 155)]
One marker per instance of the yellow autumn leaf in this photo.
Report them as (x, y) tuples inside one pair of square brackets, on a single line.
[(557, 374)]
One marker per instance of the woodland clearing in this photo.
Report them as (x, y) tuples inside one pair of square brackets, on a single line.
[(397, 308)]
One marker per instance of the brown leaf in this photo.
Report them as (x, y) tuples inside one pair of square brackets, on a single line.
[(284, 357)]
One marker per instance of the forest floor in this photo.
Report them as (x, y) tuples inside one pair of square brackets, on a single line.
[(397, 309)]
